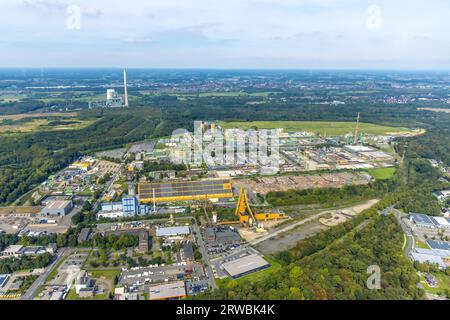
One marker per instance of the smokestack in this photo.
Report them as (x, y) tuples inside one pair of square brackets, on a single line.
[(125, 87)]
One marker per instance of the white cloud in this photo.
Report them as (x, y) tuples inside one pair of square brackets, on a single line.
[(197, 32)]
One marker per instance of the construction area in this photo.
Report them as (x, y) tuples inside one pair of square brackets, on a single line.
[(264, 185)]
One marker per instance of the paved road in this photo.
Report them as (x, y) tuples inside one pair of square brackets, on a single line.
[(31, 292), (201, 244), (411, 243), (105, 190)]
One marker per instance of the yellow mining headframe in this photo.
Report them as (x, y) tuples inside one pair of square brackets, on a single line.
[(243, 210), (246, 215)]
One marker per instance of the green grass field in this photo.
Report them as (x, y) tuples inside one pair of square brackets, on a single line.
[(72, 295), (382, 173), (329, 128), (107, 274), (42, 124)]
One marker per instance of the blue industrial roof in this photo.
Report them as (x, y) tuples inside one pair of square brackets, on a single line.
[(439, 245), (422, 218)]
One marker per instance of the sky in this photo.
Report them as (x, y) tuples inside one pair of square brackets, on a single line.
[(299, 34)]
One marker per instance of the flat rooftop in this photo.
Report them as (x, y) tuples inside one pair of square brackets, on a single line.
[(441, 221), (167, 291), (172, 231), (58, 204), (422, 218), (245, 265), (185, 190), (359, 148), (439, 245)]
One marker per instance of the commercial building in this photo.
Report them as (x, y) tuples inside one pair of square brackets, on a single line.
[(173, 231), (168, 291), (184, 191), (245, 265), (57, 208)]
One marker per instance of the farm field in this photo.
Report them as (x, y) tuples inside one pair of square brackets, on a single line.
[(329, 128), (38, 115)]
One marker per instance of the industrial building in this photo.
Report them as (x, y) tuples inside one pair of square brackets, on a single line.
[(17, 250), (246, 215), (222, 235), (245, 265), (432, 256), (12, 251), (175, 290), (173, 231), (143, 242), (443, 246), (84, 235), (425, 221), (422, 220), (57, 208), (3, 280), (129, 207), (184, 190)]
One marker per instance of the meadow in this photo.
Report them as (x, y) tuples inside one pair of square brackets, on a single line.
[(329, 128)]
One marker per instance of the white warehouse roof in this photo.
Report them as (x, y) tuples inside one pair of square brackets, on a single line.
[(172, 231)]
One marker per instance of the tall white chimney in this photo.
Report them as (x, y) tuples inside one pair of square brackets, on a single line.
[(125, 87)]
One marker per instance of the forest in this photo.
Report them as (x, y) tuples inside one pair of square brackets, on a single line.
[(28, 159), (338, 271), (10, 265)]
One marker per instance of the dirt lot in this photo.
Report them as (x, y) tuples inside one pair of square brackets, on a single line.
[(287, 236), (290, 238), (284, 183)]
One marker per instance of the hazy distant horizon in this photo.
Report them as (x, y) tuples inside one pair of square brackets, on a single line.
[(120, 68)]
